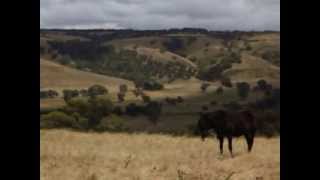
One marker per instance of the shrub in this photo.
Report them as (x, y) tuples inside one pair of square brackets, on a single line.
[(152, 85), (213, 103), (146, 99), (193, 59), (69, 94), (152, 42), (243, 89), (48, 94), (219, 90), (65, 60), (123, 88), (133, 110), (174, 44), (78, 105), (180, 99), (225, 81), (269, 102), (96, 90), (268, 123), (100, 107), (111, 123), (83, 92), (233, 105), (57, 119), (93, 109), (262, 84), (81, 122), (153, 111), (204, 87), (121, 96), (117, 110)]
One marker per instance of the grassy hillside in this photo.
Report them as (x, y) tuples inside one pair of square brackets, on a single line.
[(58, 77), (181, 61), (252, 69), (91, 156), (126, 53)]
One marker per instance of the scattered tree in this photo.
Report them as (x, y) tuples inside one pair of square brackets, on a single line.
[(69, 94), (204, 87), (219, 90), (225, 81), (243, 89), (96, 90)]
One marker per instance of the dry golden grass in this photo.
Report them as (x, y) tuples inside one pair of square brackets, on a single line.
[(91, 156), (166, 56), (58, 77), (252, 69)]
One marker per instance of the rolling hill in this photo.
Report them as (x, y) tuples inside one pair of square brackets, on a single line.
[(58, 77), (126, 53)]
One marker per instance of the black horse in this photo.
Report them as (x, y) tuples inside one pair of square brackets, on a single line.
[(228, 124)]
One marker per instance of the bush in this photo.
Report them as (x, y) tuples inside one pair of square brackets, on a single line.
[(69, 94), (204, 87), (57, 119), (111, 123), (121, 96), (146, 99), (82, 122), (243, 89), (268, 123), (117, 110), (96, 90), (83, 92), (262, 84), (213, 103), (219, 90), (269, 102), (152, 85), (48, 94), (123, 88), (153, 111), (174, 44), (93, 109), (233, 105), (100, 107), (225, 81), (133, 110)]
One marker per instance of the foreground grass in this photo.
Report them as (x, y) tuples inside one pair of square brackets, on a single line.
[(91, 156)]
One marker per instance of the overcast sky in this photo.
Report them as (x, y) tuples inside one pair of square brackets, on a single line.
[(161, 14)]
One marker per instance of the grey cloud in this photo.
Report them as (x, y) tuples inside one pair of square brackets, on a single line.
[(151, 14)]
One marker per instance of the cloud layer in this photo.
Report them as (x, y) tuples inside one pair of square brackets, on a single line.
[(164, 14)]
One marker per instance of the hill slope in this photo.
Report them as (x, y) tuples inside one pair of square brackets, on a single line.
[(253, 68), (166, 55), (56, 76)]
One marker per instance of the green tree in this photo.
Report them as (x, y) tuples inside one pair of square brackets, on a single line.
[(96, 90), (153, 111), (57, 119), (69, 94), (243, 89)]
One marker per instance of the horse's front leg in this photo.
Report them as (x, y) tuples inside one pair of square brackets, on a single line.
[(230, 145)]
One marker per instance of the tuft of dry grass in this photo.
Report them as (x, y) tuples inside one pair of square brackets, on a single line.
[(93, 156)]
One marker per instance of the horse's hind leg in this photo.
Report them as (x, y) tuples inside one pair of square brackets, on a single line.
[(221, 144), (250, 140), (230, 145)]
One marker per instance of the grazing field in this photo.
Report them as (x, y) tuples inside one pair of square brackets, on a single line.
[(92, 156)]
